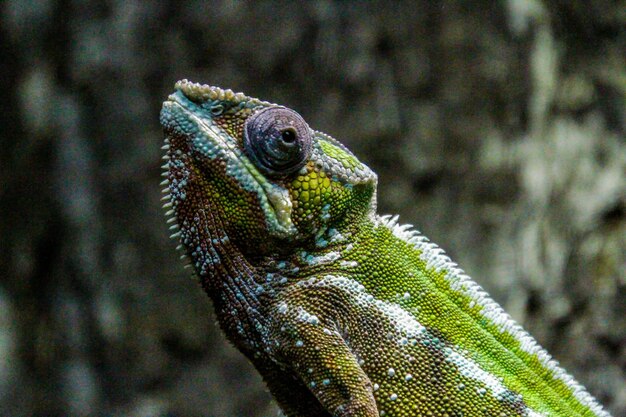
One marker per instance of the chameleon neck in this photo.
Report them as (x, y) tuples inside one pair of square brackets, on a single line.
[(229, 280)]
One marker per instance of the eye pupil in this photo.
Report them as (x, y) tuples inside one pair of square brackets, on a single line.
[(288, 136)]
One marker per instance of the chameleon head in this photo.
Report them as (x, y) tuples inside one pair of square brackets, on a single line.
[(241, 167)]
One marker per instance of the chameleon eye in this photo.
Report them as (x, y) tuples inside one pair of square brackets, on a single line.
[(277, 140)]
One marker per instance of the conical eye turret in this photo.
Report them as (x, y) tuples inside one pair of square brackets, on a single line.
[(277, 140)]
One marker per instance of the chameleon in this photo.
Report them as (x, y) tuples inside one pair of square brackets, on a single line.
[(342, 311)]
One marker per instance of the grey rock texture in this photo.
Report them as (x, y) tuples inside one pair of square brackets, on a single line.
[(497, 128)]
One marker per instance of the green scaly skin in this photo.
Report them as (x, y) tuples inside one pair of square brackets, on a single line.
[(342, 311)]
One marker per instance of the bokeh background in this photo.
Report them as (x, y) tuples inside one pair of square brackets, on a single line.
[(496, 127)]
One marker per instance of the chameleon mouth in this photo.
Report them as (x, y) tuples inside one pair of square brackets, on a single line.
[(184, 118)]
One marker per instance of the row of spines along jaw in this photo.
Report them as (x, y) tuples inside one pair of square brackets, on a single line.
[(169, 209)]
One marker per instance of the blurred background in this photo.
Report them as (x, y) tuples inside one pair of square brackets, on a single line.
[(497, 128)]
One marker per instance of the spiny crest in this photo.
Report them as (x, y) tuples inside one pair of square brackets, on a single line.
[(459, 281)]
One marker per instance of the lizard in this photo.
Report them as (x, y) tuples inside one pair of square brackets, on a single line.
[(342, 311)]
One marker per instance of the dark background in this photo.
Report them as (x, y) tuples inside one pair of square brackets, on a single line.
[(497, 128)]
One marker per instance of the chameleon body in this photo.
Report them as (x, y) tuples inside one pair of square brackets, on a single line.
[(342, 311)]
